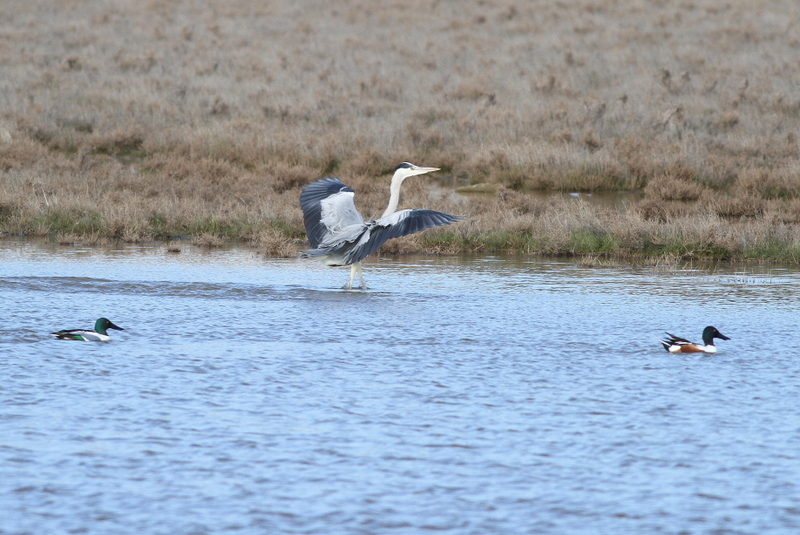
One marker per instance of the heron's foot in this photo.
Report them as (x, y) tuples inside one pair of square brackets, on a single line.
[(349, 286)]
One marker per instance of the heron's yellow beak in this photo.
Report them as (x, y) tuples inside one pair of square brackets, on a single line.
[(422, 170)]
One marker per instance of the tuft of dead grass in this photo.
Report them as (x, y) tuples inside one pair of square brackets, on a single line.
[(174, 246), (670, 188), (275, 244), (208, 240)]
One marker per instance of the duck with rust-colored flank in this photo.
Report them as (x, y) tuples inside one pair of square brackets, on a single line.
[(676, 344)]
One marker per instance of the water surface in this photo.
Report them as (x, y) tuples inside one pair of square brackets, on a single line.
[(456, 395)]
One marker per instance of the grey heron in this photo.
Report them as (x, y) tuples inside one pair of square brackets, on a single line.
[(338, 234)]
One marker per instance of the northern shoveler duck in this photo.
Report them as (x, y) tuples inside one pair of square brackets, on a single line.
[(676, 344), (97, 335)]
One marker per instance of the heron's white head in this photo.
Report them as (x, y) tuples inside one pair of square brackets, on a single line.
[(402, 172), (405, 170)]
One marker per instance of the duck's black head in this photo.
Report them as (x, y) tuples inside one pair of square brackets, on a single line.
[(709, 333)]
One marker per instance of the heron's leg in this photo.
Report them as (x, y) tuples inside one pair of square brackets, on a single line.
[(361, 276), (353, 269)]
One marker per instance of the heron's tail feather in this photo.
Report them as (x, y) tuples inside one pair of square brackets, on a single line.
[(328, 257), (313, 253)]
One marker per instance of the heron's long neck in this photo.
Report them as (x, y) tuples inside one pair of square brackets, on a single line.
[(394, 196)]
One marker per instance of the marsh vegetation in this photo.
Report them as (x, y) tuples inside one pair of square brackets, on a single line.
[(139, 121)]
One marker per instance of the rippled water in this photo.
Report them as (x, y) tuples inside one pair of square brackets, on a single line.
[(477, 395)]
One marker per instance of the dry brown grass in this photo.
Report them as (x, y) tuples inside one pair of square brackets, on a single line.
[(142, 121)]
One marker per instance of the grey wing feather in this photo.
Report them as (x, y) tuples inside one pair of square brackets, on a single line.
[(395, 225), (311, 199)]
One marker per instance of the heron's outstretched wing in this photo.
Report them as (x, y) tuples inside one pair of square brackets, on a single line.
[(395, 225), (327, 206)]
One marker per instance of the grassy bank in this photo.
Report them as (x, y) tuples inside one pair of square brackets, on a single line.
[(134, 122)]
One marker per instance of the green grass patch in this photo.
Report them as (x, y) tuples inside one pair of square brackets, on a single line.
[(590, 242), (57, 221), (775, 251)]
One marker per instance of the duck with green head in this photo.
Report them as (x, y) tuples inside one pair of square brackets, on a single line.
[(676, 344), (99, 333)]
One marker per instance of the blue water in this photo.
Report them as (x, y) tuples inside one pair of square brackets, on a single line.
[(456, 395)]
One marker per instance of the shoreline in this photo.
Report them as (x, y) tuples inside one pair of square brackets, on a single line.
[(574, 230)]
